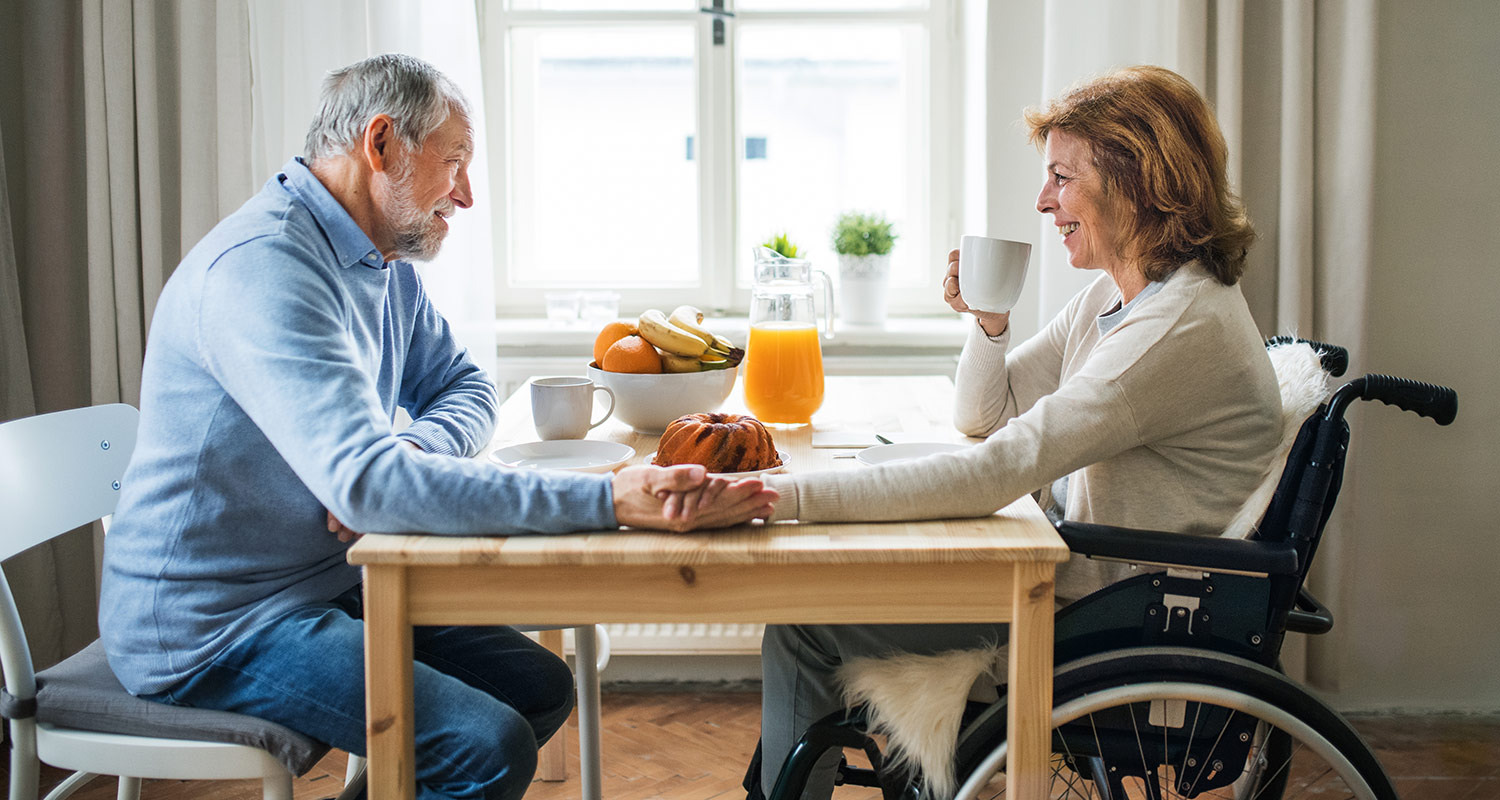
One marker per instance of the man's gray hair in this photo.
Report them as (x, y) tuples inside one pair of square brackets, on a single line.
[(416, 96)]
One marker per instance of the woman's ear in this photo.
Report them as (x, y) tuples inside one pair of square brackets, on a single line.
[(380, 136)]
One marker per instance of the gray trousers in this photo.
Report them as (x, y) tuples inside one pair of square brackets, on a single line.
[(798, 663)]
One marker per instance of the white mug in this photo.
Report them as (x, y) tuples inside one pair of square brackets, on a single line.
[(561, 408), (991, 272)]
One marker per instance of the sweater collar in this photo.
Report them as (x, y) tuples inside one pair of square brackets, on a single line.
[(350, 243)]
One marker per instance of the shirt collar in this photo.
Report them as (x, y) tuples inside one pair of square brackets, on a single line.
[(350, 243)]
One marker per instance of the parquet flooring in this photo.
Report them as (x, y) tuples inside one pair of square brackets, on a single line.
[(695, 746)]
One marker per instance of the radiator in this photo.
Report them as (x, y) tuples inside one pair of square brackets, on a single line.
[(679, 639)]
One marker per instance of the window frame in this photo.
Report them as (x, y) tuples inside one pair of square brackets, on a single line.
[(718, 135)]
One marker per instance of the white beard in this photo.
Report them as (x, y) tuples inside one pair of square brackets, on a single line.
[(418, 233)]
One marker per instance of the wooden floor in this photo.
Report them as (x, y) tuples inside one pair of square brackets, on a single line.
[(695, 746)]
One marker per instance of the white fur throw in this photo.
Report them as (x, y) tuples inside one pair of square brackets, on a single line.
[(918, 701), (1304, 386)]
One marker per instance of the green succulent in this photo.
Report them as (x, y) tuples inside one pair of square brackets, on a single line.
[(863, 235), (782, 243)]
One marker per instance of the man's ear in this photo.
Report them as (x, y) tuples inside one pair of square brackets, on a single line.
[(380, 137)]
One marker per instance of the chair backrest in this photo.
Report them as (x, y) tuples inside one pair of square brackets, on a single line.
[(57, 471), (62, 470)]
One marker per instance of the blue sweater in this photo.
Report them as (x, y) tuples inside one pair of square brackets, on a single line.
[(279, 351)]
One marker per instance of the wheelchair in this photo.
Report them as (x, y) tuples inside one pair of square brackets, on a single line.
[(1168, 684)]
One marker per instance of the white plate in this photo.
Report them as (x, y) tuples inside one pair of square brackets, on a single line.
[(575, 455), (781, 454), (901, 451)]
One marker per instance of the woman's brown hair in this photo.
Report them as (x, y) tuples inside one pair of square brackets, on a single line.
[(1158, 148)]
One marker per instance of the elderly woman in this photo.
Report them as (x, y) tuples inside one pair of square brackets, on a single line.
[(1151, 390)]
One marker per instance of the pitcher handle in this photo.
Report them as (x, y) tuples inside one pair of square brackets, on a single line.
[(827, 302)]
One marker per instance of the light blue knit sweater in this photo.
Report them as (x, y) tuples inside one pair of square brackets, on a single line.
[(279, 351)]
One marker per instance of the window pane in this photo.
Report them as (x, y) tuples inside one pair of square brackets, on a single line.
[(842, 125), (605, 187), (604, 5), (823, 5)]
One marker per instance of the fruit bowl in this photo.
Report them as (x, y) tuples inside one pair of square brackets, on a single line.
[(649, 403)]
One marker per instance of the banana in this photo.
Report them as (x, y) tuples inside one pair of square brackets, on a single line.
[(688, 364), (672, 363), (690, 319), (655, 328)]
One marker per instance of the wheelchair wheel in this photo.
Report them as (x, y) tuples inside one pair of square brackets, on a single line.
[(1167, 723)]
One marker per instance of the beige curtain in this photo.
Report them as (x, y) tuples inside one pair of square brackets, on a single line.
[(1293, 84), (167, 98), (126, 141)]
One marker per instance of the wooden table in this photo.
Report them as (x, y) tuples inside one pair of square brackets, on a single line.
[(998, 568)]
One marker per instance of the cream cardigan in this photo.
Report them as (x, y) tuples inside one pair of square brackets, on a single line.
[(1166, 422)]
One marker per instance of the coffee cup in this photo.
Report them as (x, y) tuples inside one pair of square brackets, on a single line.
[(991, 272), (563, 408)]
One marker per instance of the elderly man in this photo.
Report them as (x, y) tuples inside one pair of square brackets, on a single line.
[(279, 352)]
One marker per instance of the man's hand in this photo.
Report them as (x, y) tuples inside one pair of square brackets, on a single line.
[(684, 497), (344, 532)]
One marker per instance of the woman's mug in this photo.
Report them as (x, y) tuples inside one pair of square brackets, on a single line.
[(991, 272), (562, 408)]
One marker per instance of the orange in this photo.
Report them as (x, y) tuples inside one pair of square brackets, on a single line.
[(631, 354), (611, 333)]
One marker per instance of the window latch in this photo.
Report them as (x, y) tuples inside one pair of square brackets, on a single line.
[(719, 14)]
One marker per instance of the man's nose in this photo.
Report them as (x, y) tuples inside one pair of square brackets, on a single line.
[(462, 195)]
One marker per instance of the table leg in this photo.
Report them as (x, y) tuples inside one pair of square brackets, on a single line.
[(552, 760), (1030, 681), (388, 685)]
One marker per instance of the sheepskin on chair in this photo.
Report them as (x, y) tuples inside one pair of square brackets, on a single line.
[(917, 701)]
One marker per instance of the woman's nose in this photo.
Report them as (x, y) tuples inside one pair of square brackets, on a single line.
[(1046, 201)]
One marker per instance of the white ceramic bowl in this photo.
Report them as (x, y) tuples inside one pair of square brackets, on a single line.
[(649, 403)]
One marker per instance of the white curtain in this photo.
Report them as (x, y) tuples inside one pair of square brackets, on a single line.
[(296, 43)]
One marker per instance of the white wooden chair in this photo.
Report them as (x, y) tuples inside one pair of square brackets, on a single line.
[(57, 472), (60, 471)]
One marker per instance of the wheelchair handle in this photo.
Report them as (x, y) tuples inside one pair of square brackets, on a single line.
[(1438, 403), (1335, 359)]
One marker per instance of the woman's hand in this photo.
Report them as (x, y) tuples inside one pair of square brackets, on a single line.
[(992, 323), (684, 497)]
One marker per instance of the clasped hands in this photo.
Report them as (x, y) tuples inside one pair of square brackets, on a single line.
[(680, 498)]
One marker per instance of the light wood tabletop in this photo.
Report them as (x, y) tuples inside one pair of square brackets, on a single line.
[(997, 568)]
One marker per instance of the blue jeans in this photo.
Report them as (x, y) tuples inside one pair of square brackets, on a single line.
[(485, 697)]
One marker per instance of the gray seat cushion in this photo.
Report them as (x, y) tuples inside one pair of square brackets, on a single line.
[(82, 693)]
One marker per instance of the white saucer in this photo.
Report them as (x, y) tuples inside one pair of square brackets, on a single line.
[(575, 455), (902, 451), (781, 454)]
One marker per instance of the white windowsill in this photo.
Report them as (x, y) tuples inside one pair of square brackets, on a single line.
[(520, 336)]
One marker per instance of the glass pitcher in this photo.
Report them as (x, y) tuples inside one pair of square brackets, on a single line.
[(783, 370)]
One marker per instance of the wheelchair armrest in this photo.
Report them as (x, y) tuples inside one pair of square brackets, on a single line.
[(1207, 553), (1309, 615)]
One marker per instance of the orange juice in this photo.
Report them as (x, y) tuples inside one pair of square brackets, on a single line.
[(783, 372)]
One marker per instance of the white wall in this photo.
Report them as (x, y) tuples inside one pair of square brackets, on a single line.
[(1423, 595)]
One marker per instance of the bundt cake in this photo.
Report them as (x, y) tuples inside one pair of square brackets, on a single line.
[(720, 442)]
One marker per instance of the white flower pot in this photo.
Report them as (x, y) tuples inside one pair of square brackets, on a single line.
[(862, 288)]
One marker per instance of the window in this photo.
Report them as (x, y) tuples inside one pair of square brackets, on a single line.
[(646, 146)]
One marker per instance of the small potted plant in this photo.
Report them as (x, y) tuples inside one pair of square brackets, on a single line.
[(863, 243), (781, 243)]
